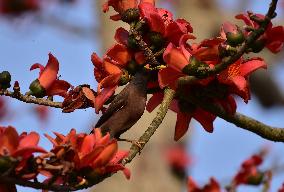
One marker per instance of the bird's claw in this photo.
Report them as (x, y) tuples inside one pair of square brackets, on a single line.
[(138, 144)]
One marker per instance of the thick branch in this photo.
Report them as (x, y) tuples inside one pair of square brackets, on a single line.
[(244, 122), (168, 97), (30, 99)]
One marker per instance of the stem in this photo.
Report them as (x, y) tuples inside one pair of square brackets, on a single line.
[(134, 150), (30, 99)]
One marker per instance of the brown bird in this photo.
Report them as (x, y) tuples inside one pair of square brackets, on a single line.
[(126, 108)]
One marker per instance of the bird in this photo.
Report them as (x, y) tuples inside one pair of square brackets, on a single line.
[(126, 108)]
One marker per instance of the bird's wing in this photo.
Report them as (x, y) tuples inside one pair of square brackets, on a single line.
[(118, 102)]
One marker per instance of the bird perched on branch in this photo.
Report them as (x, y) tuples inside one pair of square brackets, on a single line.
[(126, 108)]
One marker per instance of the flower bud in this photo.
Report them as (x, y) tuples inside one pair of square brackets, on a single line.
[(132, 43), (258, 45), (255, 180), (156, 39), (36, 89), (5, 80), (235, 39), (130, 15), (196, 68)]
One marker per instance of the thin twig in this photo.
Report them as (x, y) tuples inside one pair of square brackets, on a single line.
[(30, 99)]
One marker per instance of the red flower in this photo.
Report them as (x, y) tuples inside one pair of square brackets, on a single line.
[(47, 83), (18, 7), (98, 152), (17, 146), (177, 157), (213, 186), (249, 170), (108, 72), (236, 75), (273, 38), (183, 118), (122, 5), (161, 21)]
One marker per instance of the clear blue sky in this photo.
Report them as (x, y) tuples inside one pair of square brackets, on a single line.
[(22, 44)]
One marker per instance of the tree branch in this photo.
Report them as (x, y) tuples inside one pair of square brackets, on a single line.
[(30, 99), (242, 121), (168, 97)]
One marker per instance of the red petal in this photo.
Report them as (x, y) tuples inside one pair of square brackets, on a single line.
[(9, 140), (121, 36), (89, 158), (182, 124), (109, 81), (106, 155), (97, 62), (30, 140), (58, 87), (87, 145), (168, 77), (89, 94), (251, 65), (103, 97), (191, 185), (36, 66), (205, 119), (150, 13), (49, 74), (175, 58), (119, 156), (26, 152), (154, 101), (120, 54)]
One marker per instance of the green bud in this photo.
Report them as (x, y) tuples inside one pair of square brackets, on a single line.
[(156, 39), (256, 180), (196, 68), (258, 45), (36, 89), (130, 15), (235, 39), (132, 43), (5, 80)]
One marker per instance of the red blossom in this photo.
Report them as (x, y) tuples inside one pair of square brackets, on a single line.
[(20, 147), (108, 72), (122, 5), (249, 169), (48, 78), (273, 37), (177, 158), (236, 75), (183, 118), (98, 152), (213, 186)]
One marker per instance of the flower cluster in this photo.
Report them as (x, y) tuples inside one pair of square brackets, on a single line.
[(75, 159)]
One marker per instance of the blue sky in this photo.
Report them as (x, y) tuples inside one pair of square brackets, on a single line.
[(26, 42)]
